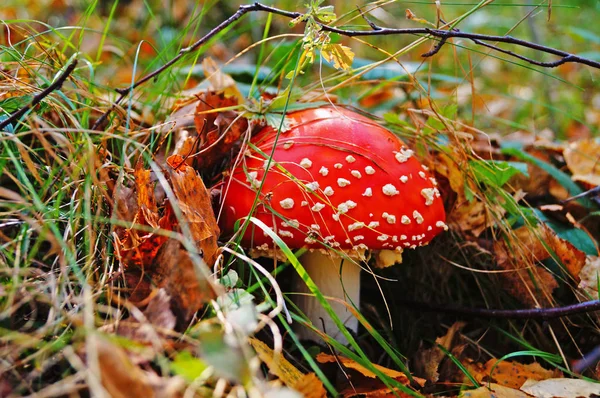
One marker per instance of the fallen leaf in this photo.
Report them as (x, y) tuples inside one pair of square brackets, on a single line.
[(527, 247), (561, 388), (196, 207), (589, 276), (428, 361), (582, 158), (508, 373), (152, 259), (309, 386), (493, 390), (218, 127), (365, 383), (119, 376), (350, 364)]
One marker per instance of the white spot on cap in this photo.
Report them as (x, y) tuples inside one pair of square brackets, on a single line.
[(395, 238), (342, 182), (404, 179), (310, 240), (361, 246), (356, 173), (424, 167), (403, 237), (373, 224), (441, 224), (304, 203), (264, 246), (428, 194), (369, 170), (350, 159), (418, 217), (306, 162), (358, 237), (315, 226), (267, 164), (290, 223), (318, 207), (312, 186), (323, 171), (335, 216), (345, 206), (288, 144), (430, 228), (433, 181), (287, 203), (390, 190), (403, 155), (329, 239), (368, 192), (383, 238), (251, 178), (390, 218), (328, 191), (422, 174), (355, 226), (286, 234), (405, 220), (338, 165)]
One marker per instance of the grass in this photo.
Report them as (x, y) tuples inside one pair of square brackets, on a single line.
[(63, 286)]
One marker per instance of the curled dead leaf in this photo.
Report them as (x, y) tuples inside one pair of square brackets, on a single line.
[(530, 282), (582, 158)]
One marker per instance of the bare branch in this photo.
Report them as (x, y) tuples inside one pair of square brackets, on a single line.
[(529, 313), (441, 34)]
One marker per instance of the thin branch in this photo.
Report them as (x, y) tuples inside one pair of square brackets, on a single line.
[(56, 85), (443, 35), (530, 313)]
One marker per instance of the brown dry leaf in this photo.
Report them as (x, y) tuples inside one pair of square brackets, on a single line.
[(196, 207), (494, 390), (508, 373), (428, 361), (583, 160), (535, 245), (364, 382), (589, 276), (119, 376), (469, 217), (154, 260), (218, 129)]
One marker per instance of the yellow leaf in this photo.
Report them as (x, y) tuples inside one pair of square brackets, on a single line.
[(340, 55), (494, 391), (308, 385)]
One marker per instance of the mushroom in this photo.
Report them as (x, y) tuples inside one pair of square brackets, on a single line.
[(337, 182)]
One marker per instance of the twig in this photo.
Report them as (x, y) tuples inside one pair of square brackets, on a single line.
[(443, 35), (530, 313), (56, 85)]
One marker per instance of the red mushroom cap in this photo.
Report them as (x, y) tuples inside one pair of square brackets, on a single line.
[(336, 178)]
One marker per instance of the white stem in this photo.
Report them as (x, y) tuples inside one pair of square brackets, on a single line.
[(325, 272)]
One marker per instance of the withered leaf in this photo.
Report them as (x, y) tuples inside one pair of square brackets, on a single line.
[(193, 199), (508, 373), (119, 376), (526, 249)]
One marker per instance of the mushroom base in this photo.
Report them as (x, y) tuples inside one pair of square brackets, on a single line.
[(342, 292)]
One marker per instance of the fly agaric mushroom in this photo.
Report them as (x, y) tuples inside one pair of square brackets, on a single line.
[(337, 182)]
